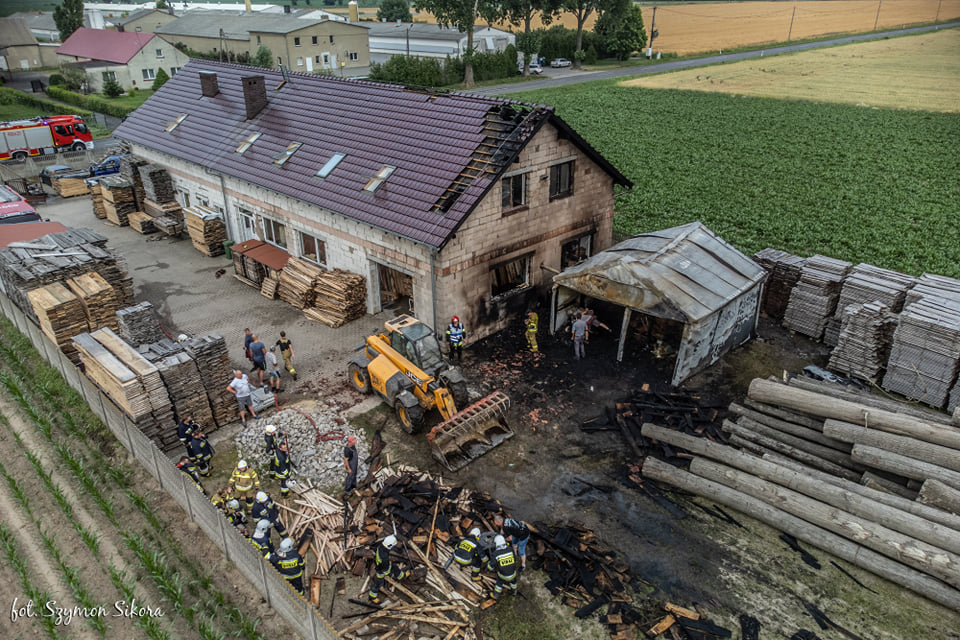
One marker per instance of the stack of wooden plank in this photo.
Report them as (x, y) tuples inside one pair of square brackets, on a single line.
[(297, 281), (141, 222), (213, 363), (866, 283), (814, 299), (96, 199), (69, 187), (113, 377), (338, 297), (61, 316), (138, 324), (170, 225), (206, 229), (118, 199), (157, 185), (784, 269), (130, 169), (863, 346), (182, 379), (156, 351), (98, 299)]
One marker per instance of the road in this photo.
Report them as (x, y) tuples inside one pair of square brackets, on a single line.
[(568, 77)]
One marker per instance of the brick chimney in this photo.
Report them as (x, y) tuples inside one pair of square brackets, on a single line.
[(208, 84), (254, 94)]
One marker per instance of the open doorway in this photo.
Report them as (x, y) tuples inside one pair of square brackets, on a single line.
[(396, 290)]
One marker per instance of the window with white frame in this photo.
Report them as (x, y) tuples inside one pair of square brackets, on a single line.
[(108, 76), (159, 53), (313, 248), (353, 56), (576, 251), (184, 197), (299, 61), (149, 74), (510, 276), (275, 232), (173, 71), (247, 225)]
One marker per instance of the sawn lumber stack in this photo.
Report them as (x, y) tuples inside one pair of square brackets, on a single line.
[(206, 229), (98, 299), (338, 297), (61, 316)]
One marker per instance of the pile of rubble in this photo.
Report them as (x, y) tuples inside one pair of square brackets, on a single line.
[(316, 441)]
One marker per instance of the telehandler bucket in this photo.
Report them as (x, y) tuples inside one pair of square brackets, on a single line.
[(472, 432)]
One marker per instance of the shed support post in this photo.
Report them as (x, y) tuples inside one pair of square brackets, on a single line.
[(553, 309), (623, 332)]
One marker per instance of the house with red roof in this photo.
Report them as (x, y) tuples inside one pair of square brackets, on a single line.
[(447, 203), (131, 58)]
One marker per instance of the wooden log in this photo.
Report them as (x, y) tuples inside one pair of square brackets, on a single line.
[(922, 556), (936, 494), (826, 407), (667, 622), (904, 445), (856, 504), (868, 399), (852, 552), (783, 414), (904, 465), (880, 483), (841, 458), (787, 450), (799, 431)]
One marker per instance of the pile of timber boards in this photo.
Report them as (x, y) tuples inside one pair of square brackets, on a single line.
[(864, 284), (213, 364), (130, 169), (118, 199), (155, 351), (182, 379), (206, 229), (69, 187), (96, 199), (141, 222), (297, 281), (338, 297), (784, 269), (138, 324), (814, 299), (871, 480), (157, 185), (61, 316), (98, 299), (167, 216), (863, 346)]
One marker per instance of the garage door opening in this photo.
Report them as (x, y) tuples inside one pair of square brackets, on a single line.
[(396, 289)]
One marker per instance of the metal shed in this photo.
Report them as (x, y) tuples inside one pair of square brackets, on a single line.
[(686, 274)]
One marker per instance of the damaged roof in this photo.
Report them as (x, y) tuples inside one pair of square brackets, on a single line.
[(413, 163), (684, 273)]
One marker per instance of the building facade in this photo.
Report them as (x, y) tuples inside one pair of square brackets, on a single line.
[(388, 39), (131, 58), (143, 20)]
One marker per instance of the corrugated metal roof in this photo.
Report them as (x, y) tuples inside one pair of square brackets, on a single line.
[(237, 26), (274, 257), (430, 138), (422, 31), (102, 44), (685, 273)]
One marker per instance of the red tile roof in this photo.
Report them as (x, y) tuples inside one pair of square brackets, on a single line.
[(429, 138), (27, 231), (101, 44), (264, 253)]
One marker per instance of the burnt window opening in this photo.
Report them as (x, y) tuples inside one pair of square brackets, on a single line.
[(514, 192), (561, 180), (510, 276)]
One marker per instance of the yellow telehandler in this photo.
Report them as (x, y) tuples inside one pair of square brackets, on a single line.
[(405, 367)]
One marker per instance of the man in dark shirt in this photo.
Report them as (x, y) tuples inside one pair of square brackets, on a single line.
[(259, 352), (247, 339), (517, 533), (286, 352), (351, 460), (186, 428)]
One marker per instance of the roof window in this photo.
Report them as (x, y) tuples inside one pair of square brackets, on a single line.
[(330, 165), (287, 153), (249, 141), (379, 179), (176, 123)]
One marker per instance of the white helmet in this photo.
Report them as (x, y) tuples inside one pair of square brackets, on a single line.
[(286, 546), (263, 526), (501, 542), (270, 428), (242, 465), (233, 504), (390, 541), (261, 496), (182, 337), (475, 532)]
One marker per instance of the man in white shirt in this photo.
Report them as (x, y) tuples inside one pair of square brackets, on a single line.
[(240, 387)]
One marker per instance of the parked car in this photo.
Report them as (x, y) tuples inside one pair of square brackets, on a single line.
[(107, 166), (534, 68), (14, 208), (560, 62), (54, 171)]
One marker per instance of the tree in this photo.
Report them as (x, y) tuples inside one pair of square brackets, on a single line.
[(462, 14), (161, 78), (521, 12), (74, 78), (112, 88), (161, 4), (621, 30), (581, 10), (68, 17), (393, 10), (262, 58)]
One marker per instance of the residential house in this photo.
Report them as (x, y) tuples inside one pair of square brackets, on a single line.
[(453, 203), (19, 49), (431, 40), (143, 20), (296, 43), (44, 29), (130, 58)]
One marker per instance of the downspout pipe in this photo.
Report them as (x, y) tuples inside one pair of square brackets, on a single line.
[(433, 287)]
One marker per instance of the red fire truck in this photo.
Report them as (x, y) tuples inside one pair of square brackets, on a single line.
[(42, 136)]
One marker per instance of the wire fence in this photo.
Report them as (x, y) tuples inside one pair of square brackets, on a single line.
[(295, 610)]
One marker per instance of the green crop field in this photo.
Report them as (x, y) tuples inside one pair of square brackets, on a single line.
[(861, 184)]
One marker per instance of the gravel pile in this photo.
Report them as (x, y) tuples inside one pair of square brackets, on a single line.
[(320, 462)]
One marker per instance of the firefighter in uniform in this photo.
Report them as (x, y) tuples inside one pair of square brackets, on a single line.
[(280, 467), (186, 428), (236, 516), (506, 566), (270, 438), (455, 336), (266, 509), (467, 554), (243, 482), (531, 324), (200, 453), (220, 498), (384, 567), (289, 563), (261, 538), (190, 470)]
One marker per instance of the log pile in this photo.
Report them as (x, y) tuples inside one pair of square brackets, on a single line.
[(206, 229), (297, 281), (138, 324), (69, 187), (118, 199), (338, 297), (860, 508), (157, 185), (182, 379), (863, 346), (130, 169), (141, 222), (98, 299), (784, 269), (61, 316), (96, 199), (213, 364), (814, 299)]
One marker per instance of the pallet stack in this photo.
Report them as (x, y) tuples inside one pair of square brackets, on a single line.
[(339, 297), (182, 379), (98, 299), (118, 199), (130, 169), (297, 281), (96, 199), (784, 269), (138, 324), (863, 344), (69, 187), (61, 316), (814, 300), (206, 229), (213, 364)]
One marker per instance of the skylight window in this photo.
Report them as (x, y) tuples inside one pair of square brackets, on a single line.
[(331, 165), (176, 123), (289, 151), (249, 141), (379, 179)]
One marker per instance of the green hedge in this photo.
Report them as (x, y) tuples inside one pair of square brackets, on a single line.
[(12, 96), (93, 103)]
